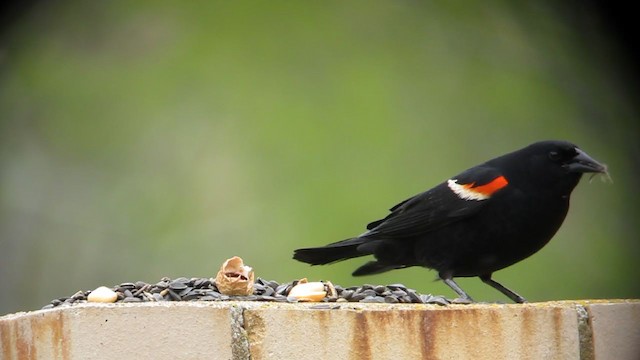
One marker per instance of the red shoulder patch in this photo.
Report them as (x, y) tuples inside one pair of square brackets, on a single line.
[(480, 192), (491, 187)]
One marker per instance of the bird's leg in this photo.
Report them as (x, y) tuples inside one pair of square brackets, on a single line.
[(496, 285), (448, 279)]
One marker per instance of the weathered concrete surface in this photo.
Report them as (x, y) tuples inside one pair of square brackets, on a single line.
[(415, 332), (616, 329), (118, 331), (584, 330)]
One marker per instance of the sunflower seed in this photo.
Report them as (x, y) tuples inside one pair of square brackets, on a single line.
[(184, 291), (438, 300), (124, 286), (397, 287), (282, 289), (258, 288), (268, 292), (380, 289), (161, 285), (390, 299), (413, 296), (368, 292), (178, 285), (373, 299), (461, 301), (174, 296), (347, 294)]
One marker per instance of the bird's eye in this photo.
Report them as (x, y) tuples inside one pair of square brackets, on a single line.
[(554, 155)]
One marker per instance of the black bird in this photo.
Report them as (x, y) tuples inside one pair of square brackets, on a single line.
[(482, 220)]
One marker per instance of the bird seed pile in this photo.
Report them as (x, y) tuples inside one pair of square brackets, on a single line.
[(205, 289)]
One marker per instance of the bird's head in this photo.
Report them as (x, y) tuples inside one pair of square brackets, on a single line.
[(554, 163)]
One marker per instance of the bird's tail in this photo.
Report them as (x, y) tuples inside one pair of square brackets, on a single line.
[(341, 250)]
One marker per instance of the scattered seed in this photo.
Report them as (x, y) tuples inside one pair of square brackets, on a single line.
[(426, 298), (126, 286), (174, 296), (460, 301), (397, 287), (368, 292), (184, 291), (390, 299), (439, 300), (212, 293), (282, 289), (148, 296), (347, 294), (380, 289), (269, 291), (178, 285), (413, 296), (204, 289), (161, 285), (373, 299)]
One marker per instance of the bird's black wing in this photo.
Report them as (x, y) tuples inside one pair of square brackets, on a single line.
[(450, 201)]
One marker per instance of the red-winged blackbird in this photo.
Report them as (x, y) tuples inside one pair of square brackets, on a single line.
[(482, 220)]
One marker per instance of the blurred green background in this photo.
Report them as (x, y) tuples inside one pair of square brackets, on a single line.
[(148, 139)]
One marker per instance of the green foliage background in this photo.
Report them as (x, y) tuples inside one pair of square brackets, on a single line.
[(148, 139)]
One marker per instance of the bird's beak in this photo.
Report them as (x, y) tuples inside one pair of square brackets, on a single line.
[(583, 163)]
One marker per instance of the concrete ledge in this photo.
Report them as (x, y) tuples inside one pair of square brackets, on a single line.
[(259, 330), (616, 329), (118, 331)]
